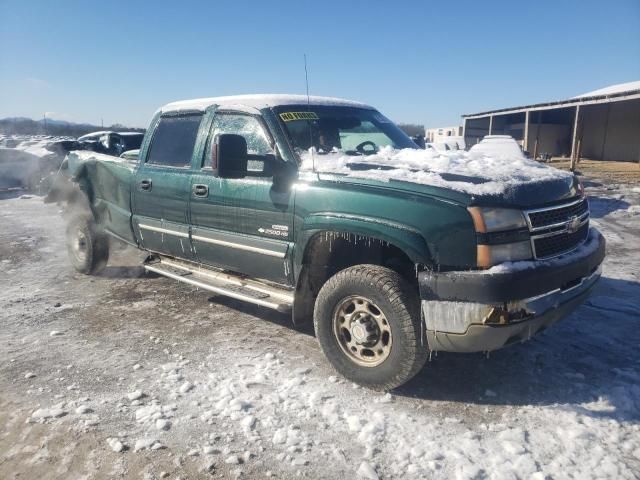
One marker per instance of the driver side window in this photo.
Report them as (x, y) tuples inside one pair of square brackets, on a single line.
[(250, 128)]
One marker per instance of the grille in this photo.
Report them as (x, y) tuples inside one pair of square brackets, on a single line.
[(560, 243), (558, 215), (553, 229)]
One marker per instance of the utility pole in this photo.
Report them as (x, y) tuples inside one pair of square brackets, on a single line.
[(575, 141)]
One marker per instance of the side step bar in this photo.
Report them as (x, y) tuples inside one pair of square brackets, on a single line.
[(224, 283)]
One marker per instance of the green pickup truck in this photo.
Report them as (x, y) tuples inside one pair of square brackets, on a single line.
[(324, 208)]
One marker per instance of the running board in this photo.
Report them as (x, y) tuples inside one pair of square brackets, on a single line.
[(224, 283)]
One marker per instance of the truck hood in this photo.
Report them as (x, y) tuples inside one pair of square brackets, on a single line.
[(463, 177)]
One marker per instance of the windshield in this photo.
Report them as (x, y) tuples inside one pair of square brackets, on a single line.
[(350, 130)]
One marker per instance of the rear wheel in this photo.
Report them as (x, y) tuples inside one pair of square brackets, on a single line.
[(87, 246), (367, 322)]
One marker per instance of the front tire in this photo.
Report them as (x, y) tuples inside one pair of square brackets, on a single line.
[(87, 246), (367, 321)]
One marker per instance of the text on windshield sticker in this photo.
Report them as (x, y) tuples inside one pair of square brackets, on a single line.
[(291, 116)]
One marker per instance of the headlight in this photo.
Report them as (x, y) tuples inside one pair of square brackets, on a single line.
[(503, 235), (496, 219)]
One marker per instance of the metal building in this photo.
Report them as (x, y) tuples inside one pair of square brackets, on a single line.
[(599, 125)]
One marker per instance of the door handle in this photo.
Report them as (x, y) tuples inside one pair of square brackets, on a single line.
[(200, 190), (145, 185)]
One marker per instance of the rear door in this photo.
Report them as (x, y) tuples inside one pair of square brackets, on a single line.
[(243, 224), (162, 186)]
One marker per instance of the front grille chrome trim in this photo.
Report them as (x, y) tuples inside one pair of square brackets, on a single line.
[(583, 220), (583, 217), (555, 207)]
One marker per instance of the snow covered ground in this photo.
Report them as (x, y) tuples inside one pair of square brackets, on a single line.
[(126, 375)]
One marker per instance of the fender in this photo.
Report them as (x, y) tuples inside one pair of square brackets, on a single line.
[(404, 237)]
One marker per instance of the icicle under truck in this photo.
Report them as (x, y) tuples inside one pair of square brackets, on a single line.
[(325, 209)]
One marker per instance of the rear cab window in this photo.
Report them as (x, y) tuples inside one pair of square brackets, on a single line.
[(174, 140)]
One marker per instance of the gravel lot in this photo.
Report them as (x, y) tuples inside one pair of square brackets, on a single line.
[(126, 375)]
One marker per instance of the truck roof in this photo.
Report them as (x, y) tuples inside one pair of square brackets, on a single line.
[(105, 132), (256, 102)]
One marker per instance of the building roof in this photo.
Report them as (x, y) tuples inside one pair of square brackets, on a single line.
[(613, 89), (257, 102), (620, 91)]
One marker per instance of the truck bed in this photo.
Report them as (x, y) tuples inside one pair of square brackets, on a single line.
[(108, 185)]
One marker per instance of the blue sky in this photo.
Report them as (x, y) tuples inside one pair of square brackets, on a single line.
[(419, 61)]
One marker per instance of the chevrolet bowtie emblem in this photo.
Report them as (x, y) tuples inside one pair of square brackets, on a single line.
[(573, 225)]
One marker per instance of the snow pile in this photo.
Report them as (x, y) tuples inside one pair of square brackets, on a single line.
[(474, 172), (33, 144), (42, 414)]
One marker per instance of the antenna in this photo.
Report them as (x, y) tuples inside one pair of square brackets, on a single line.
[(306, 81), (306, 78)]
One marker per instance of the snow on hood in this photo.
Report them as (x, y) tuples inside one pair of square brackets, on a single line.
[(473, 172)]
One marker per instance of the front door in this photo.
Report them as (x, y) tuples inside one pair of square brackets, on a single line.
[(242, 225), (162, 187)]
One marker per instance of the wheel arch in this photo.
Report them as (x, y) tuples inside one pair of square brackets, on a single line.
[(332, 242)]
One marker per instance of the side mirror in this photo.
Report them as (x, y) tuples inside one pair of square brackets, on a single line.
[(230, 156)]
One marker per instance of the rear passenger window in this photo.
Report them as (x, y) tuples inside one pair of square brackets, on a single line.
[(173, 141)]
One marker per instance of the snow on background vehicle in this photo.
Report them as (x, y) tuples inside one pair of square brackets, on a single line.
[(26, 161)]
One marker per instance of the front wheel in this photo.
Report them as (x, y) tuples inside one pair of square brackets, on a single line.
[(87, 246), (367, 321)]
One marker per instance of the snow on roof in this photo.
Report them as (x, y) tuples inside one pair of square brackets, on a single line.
[(129, 134), (106, 132), (94, 134), (613, 89), (258, 102), (618, 90)]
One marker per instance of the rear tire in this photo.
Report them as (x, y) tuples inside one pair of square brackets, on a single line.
[(367, 321), (87, 246)]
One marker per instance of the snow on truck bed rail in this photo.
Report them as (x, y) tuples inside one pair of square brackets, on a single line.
[(472, 172)]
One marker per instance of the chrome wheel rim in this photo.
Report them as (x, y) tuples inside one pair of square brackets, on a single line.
[(362, 331), (79, 246)]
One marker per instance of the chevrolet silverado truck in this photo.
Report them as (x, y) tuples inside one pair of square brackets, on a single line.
[(324, 208)]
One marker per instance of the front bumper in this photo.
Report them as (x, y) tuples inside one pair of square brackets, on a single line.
[(543, 292)]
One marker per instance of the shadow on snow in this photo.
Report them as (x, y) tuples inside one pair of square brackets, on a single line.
[(590, 354), (603, 206)]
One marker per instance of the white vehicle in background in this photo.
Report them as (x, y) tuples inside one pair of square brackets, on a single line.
[(448, 146), (498, 146)]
